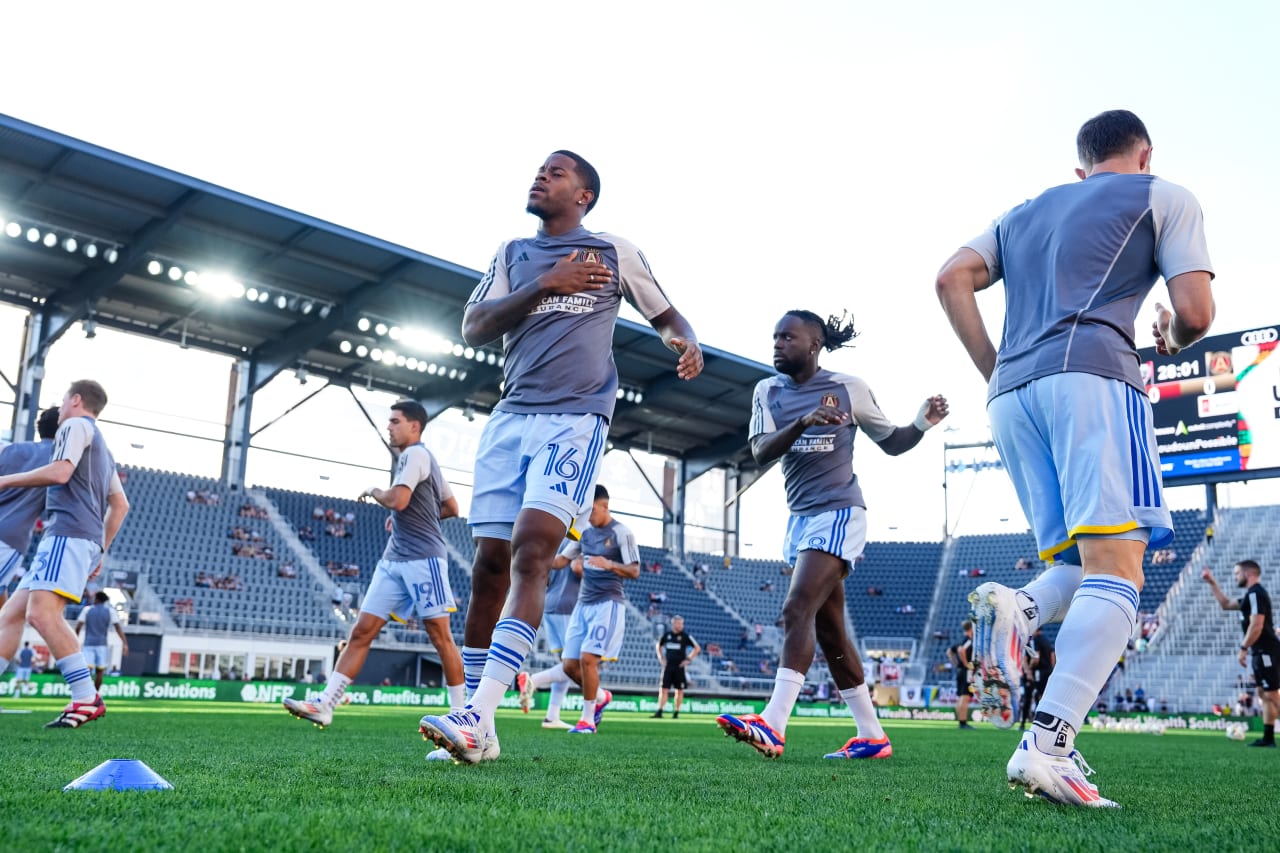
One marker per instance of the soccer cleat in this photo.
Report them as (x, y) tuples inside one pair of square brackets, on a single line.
[(555, 724), (602, 704), (1057, 778), (310, 711), (965, 725), (76, 714), (657, 715), (861, 747), (524, 683), (752, 729), (459, 732), (1269, 744), (583, 728), (1000, 630)]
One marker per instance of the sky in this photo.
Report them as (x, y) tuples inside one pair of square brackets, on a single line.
[(817, 155)]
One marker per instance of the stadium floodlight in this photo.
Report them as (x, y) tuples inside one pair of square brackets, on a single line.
[(263, 295), (307, 306), (363, 324), (50, 239), (639, 397), (620, 394), (13, 229), (282, 302), (362, 351), (220, 285), (394, 333), (389, 358), (375, 354), (453, 373), (380, 329), (324, 311), (502, 361), (33, 235), (155, 267), (422, 367), (431, 369), (457, 349), (111, 255), (91, 250), (344, 347), (400, 360), (462, 376), (191, 277), (175, 273), (410, 362), (492, 359), (468, 353), (251, 294), (71, 244)]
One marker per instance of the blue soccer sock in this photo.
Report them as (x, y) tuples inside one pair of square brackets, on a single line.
[(1103, 614), (512, 641), (473, 660), (75, 671)]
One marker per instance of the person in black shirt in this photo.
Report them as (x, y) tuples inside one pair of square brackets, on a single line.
[(673, 652), (1041, 656), (961, 657), (1259, 639)]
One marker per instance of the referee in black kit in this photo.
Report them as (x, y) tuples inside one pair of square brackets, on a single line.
[(1260, 639), (673, 651)]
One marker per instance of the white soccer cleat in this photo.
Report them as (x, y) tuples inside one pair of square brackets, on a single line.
[(460, 733), (1057, 778), (309, 711), (556, 724), (524, 682), (1000, 632)]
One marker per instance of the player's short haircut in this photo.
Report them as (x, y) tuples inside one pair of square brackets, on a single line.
[(677, 616), (590, 177), (92, 395), (100, 597), (1109, 134), (602, 494), (1250, 566), (966, 625), (412, 411), (47, 425), (834, 332)]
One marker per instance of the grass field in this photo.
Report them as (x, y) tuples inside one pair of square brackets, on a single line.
[(253, 778)]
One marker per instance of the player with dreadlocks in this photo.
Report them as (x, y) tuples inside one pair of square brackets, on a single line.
[(807, 416)]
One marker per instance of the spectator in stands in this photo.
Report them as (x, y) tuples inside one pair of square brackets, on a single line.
[(745, 639), (713, 650), (905, 609), (655, 567), (977, 573), (702, 569), (287, 570), (728, 562), (759, 631), (874, 591), (699, 584), (767, 586), (1022, 565), (306, 534)]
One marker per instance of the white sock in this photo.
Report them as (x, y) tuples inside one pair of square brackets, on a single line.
[(589, 711), (548, 677), (473, 667), (75, 671), (4, 667), (1051, 593), (457, 697), (558, 691), (786, 689), (333, 690), (864, 711), (1091, 640)]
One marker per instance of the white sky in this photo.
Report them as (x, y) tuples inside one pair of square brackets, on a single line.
[(820, 155)]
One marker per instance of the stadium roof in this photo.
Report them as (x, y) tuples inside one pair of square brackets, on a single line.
[(93, 235)]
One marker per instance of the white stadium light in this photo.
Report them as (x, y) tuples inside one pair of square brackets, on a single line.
[(251, 294), (362, 351), (13, 229), (457, 349), (191, 277), (422, 367), (620, 394), (345, 347), (453, 373), (375, 354), (155, 267), (380, 329), (33, 235), (468, 352), (363, 324), (389, 358), (462, 376), (70, 244), (110, 256), (492, 359), (639, 397), (411, 363), (50, 239), (282, 302), (91, 250), (401, 361), (431, 368), (263, 295), (394, 333), (175, 273)]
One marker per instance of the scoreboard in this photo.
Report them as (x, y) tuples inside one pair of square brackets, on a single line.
[(1217, 407)]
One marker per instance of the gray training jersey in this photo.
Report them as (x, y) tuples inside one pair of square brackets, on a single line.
[(818, 469), (562, 590), (76, 509), (415, 530), (97, 621), (20, 508), (614, 541), (559, 359), (1077, 263)]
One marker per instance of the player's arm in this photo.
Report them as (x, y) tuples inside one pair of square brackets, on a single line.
[(1192, 313), (893, 440), (1223, 602), (124, 641), (697, 650), (80, 620), (570, 554), (1182, 256), (677, 335), (962, 654), (657, 647), (395, 498), (448, 508), (1256, 623), (117, 509), (961, 278), (767, 447), (56, 473), (625, 570), (639, 287), (495, 310)]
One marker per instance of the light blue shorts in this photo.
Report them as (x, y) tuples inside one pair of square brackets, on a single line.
[(555, 627), (402, 589), (596, 629), (98, 657), (546, 462), (9, 562), (62, 565), (840, 532), (1081, 451)]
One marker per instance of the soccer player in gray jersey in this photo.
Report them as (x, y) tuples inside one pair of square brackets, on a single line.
[(1072, 422), (563, 585), (808, 416), (412, 578), (21, 508), (96, 621), (86, 505), (553, 299)]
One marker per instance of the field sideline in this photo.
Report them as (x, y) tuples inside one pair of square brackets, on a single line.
[(253, 778)]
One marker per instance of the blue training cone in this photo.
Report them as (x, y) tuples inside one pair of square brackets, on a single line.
[(120, 774)]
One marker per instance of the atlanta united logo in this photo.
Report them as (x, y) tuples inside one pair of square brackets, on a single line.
[(589, 256), (830, 401)]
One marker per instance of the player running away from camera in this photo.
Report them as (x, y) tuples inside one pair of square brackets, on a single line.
[(563, 584), (808, 416), (553, 299), (86, 505), (20, 509), (1260, 643), (412, 578), (596, 627), (1072, 422)]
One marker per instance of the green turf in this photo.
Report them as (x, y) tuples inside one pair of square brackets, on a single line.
[(253, 778)]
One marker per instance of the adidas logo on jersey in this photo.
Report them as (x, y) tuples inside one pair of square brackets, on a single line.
[(524, 256)]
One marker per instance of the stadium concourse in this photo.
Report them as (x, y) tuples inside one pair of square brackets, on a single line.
[(243, 582)]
